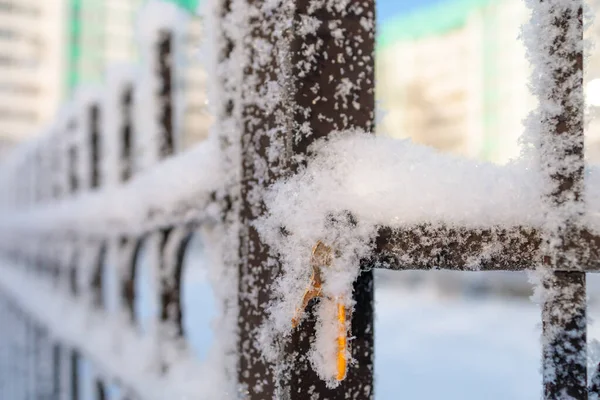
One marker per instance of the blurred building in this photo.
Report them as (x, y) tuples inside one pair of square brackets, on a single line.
[(31, 64), (455, 76), (102, 33), (99, 33), (48, 48)]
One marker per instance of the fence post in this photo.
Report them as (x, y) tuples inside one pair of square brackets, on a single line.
[(74, 367), (57, 369), (168, 289), (73, 158), (165, 94), (562, 158), (327, 89), (94, 144), (73, 186), (126, 247), (126, 141)]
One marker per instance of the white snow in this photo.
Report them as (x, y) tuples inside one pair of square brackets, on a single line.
[(167, 193)]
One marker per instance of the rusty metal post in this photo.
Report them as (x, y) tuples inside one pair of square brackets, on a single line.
[(73, 158), (307, 110), (74, 367), (100, 391), (165, 94), (170, 283), (94, 144), (57, 369), (126, 149), (126, 247), (562, 158), (73, 186), (168, 288)]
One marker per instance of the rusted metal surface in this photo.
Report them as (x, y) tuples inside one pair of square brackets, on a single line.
[(460, 249), (94, 144), (316, 78), (73, 159), (257, 268), (562, 157), (126, 153), (307, 112), (165, 92)]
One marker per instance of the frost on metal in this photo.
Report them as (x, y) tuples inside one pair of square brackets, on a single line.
[(153, 96), (161, 196), (222, 57), (554, 39), (355, 183), (117, 125), (309, 73)]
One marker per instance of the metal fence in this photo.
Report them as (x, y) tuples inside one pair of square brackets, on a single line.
[(69, 257)]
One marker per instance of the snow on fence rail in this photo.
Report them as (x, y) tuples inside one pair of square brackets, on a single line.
[(295, 200)]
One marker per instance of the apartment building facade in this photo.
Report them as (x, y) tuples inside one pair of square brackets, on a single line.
[(49, 48), (103, 33), (31, 65), (455, 76)]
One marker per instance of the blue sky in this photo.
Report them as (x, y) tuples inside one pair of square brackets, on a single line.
[(387, 9)]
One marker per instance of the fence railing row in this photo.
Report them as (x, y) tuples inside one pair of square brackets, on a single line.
[(94, 200)]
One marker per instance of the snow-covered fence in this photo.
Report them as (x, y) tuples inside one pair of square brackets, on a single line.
[(108, 156), (294, 199)]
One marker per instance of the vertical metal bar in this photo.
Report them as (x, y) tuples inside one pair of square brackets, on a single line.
[(127, 134), (228, 196), (57, 167), (30, 359), (97, 278), (11, 356), (129, 250), (100, 391), (166, 149), (126, 247), (562, 158), (170, 286), (164, 292), (350, 59), (94, 132), (17, 367), (56, 371), (311, 83), (44, 365), (38, 181), (165, 71), (36, 361), (73, 157), (257, 270), (565, 334), (74, 367), (73, 187), (4, 347)]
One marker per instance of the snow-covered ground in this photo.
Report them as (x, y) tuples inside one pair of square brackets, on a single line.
[(430, 347)]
